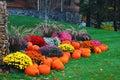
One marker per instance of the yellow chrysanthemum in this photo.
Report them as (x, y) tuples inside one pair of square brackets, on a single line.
[(66, 47), (18, 59)]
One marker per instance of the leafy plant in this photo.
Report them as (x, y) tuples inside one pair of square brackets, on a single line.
[(107, 27), (17, 43)]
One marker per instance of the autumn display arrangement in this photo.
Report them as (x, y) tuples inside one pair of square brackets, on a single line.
[(39, 54)]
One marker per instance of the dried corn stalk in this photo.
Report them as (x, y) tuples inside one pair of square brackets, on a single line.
[(4, 44)]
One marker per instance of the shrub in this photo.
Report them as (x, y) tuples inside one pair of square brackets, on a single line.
[(107, 27)]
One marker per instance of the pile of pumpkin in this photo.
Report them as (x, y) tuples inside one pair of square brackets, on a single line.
[(47, 63)]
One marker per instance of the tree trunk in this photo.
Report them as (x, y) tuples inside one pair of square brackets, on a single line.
[(98, 20), (115, 17), (88, 16), (99, 12), (4, 44)]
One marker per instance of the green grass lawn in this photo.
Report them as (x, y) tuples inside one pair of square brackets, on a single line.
[(105, 66)]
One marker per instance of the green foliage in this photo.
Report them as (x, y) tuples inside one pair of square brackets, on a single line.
[(107, 27)]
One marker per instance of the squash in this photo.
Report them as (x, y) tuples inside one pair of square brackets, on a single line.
[(48, 61), (31, 70), (76, 54), (57, 64), (36, 65), (75, 44), (35, 47), (44, 69), (54, 58), (85, 52), (68, 54), (64, 59), (97, 50), (65, 42), (29, 44), (103, 47)]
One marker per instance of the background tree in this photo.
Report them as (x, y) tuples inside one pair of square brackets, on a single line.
[(101, 11)]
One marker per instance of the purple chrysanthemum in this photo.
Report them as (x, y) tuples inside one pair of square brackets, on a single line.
[(51, 51)]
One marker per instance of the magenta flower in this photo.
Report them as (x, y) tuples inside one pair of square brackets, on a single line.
[(62, 35), (95, 42)]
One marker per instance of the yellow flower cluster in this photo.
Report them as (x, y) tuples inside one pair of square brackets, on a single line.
[(66, 47), (18, 60)]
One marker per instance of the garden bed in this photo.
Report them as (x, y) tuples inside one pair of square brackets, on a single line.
[(104, 66)]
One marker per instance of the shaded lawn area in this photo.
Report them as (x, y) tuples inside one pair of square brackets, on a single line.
[(103, 66)]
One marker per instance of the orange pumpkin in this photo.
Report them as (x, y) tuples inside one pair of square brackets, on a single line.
[(75, 44), (36, 47), (36, 65), (55, 58), (31, 70), (47, 61), (29, 44), (64, 59), (44, 69), (68, 54), (97, 50), (57, 64), (103, 47), (78, 51), (85, 52), (65, 42), (85, 49), (76, 55)]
